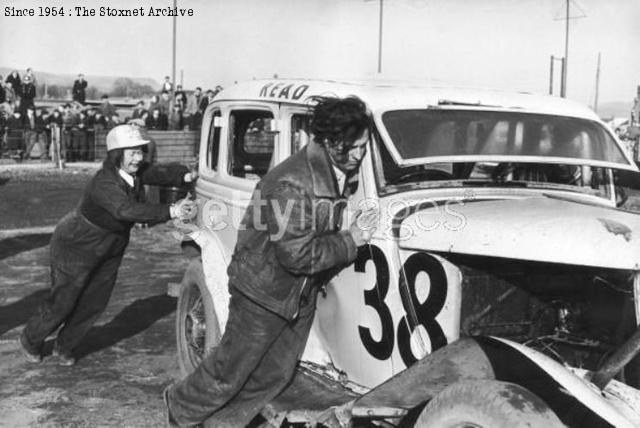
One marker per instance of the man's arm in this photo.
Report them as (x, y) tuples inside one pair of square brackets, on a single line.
[(299, 247)]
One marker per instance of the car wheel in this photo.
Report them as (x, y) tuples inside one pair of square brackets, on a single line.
[(197, 330), (487, 404)]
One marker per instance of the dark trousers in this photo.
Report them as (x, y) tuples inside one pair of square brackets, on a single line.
[(84, 266), (254, 361)]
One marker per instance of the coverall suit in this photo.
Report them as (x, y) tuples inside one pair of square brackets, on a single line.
[(86, 251)]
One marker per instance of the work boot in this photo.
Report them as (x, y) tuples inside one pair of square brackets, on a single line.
[(30, 354), (62, 358)]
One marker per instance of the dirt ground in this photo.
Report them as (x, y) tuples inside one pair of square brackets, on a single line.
[(126, 359)]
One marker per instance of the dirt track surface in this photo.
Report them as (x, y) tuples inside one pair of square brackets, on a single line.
[(126, 359)]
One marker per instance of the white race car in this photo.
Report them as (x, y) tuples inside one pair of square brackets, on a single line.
[(501, 288)]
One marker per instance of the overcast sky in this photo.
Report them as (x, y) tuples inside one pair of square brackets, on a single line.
[(502, 44)]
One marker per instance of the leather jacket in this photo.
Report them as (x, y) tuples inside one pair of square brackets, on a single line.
[(290, 243)]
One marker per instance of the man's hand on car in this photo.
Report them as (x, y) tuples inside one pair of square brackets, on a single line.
[(363, 226)]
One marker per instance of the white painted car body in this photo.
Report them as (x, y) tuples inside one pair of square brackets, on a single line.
[(361, 326)]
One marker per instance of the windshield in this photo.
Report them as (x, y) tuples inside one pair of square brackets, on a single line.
[(429, 133), (469, 148)]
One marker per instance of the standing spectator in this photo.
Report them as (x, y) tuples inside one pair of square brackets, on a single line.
[(192, 113), (156, 121), (88, 244), (165, 104), (69, 121), (79, 137), (210, 95), (16, 82), (112, 121), (10, 93), (167, 86), (3, 93), (15, 134), (79, 89), (32, 76), (107, 109), (137, 110), (180, 98), (100, 123), (3, 127), (41, 130), (154, 103), (91, 133), (175, 119), (34, 136), (53, 124), (28, 94)]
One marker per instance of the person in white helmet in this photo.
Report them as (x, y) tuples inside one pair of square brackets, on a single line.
[(88, 243)]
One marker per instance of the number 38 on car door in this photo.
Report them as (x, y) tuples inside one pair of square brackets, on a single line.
[(392, 308)]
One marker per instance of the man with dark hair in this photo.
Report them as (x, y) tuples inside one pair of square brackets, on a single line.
[(79, 88), (88, 244), (107, 109), (277, 269), (204, 102)]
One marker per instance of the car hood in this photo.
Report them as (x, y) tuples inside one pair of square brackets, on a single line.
[(544, 229)]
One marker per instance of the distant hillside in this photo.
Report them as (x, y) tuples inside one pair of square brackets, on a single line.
[(614, 109), (103, 84)]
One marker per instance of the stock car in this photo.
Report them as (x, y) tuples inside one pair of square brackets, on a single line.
[(500, 287)]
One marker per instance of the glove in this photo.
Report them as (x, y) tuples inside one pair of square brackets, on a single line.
[(184, 209)]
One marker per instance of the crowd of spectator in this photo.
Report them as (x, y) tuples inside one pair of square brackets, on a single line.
[(28, 131)]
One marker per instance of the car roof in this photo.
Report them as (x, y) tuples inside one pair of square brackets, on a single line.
[(381, 95)]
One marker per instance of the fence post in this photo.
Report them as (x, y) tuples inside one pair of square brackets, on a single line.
[(55, 146)]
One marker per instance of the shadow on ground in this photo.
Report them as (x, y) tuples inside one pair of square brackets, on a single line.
[(18, 312), (133, 319), (19, 244)]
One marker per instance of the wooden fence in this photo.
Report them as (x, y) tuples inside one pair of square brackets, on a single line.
[(167, 146)]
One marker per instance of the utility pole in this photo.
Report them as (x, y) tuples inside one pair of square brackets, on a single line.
[(595, 101), (551, 73), (380, 39), (173, 67), (565, 68)]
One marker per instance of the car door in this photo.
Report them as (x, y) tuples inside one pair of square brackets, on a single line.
[(242, 146)]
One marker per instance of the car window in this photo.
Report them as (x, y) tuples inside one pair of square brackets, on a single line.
[(252, 142), (300, 133), (213, 142), (419, 134), (582, 178)]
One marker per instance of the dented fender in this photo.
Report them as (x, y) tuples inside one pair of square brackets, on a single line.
[(572, 398)]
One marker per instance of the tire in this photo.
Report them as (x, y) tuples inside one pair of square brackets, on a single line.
[(197, 329), (487, 404)]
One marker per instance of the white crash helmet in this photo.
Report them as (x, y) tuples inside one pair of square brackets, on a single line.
[(125, 137)]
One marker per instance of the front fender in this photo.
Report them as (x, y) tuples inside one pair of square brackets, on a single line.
[(214, 268), (573, 400)]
